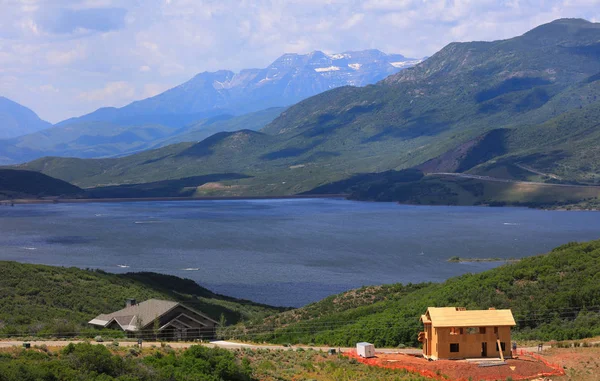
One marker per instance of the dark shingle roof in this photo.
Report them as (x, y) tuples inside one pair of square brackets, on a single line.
[(128, 317)]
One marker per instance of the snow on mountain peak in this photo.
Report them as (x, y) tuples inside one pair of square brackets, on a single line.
[(405, 64), (337, 56), (325, 69)]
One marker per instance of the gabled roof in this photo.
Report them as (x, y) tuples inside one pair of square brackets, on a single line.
[(145, 311), (440, 317)]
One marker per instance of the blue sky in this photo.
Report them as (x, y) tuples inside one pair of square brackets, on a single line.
[(64, 58)]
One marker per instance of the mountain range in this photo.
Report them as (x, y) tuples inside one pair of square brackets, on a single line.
[(524, 108), (208, 103), (288, 80)]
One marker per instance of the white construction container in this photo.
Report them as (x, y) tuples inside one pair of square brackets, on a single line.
[(365, 350)]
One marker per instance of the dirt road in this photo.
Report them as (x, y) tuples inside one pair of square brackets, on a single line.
[(499, 180), (220, 344)]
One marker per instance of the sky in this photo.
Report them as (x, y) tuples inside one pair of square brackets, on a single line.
[(65, 58)]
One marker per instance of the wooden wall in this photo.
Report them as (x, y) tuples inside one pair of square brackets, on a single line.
[(469, 344)]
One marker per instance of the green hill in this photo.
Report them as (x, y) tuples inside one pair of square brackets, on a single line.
[(39, 300), (29, 184), (459, 94), (555, 296), (106, 138), (479, 107)]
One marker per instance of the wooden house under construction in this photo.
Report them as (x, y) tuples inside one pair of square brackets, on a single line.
[(455, 333)]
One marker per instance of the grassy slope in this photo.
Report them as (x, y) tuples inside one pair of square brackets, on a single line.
[(565, 147), (221, 153), (459, 93), (97, 362), (25, 184), (38, 299), (553, 296)]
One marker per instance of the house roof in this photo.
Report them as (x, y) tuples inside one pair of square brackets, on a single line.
[(440, 317), (145, 311)]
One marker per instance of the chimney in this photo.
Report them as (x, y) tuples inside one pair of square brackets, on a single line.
[(130, 302)]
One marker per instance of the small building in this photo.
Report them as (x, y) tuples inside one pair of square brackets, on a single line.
[(158, 319), (455, 333), (365, 350)]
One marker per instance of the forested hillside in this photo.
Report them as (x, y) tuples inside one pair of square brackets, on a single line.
[(58, 301), (29, 184), (555, 296)]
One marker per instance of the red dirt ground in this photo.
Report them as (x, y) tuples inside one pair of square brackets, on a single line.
[(525, 367), (581, 364)]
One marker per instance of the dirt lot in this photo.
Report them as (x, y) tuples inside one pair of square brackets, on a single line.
[(525, 367), (581, 364)]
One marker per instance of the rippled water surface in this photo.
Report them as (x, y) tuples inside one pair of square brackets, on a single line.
[(283, 252)]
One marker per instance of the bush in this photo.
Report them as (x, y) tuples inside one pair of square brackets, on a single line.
[(88, 358), (96, 362)]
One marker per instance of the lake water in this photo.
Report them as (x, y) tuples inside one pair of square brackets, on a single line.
[(283, 252)]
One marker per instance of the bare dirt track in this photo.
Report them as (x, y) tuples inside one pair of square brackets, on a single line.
[(499, 180), (183, 345)]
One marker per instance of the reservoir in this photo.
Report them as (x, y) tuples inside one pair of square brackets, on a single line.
[(287, 252)]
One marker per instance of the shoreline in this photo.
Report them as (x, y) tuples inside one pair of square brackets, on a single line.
[(482, 260), (56, 200), (25, 201)]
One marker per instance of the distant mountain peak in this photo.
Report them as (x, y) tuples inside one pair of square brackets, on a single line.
[(9, 101), (561, 29), (574, 21), (289, 79), (17, 120), (462, 58)]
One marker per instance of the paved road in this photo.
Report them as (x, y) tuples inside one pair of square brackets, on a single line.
[(488, 178)]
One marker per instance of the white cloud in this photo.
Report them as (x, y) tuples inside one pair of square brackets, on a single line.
[(353, 21), (62, 58), (48, 88), (29, 27), (113, 92), (104, 50), (387, 5)]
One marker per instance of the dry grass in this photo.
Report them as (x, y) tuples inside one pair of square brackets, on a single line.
[(317, 366), (580, 364)]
